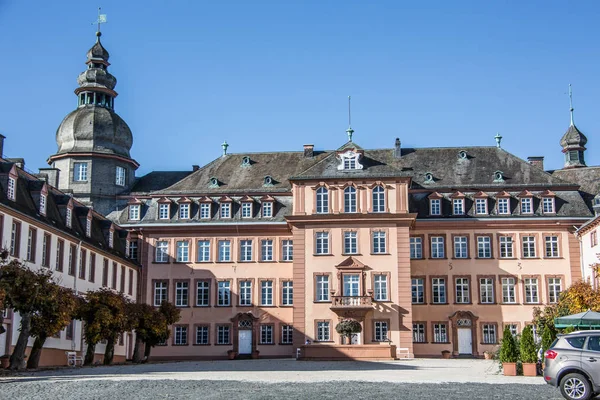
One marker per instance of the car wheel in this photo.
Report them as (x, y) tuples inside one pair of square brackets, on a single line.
[(575, 387)]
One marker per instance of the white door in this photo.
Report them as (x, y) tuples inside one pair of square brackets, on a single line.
[(245, 341), (3, 340), (465, 343)]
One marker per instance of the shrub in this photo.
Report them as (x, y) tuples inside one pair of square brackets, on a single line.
[(548, 336), (527, 346), (348, 327), (509, 353)]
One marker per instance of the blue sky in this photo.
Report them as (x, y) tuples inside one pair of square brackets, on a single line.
[(274, 75)]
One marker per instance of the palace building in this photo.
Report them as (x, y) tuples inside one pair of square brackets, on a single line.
[(430, 249)]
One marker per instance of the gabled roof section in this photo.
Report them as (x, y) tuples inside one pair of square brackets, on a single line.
[(351, 263), (158, 180)]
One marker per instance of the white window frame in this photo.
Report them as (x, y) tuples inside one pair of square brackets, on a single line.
[(350, 200), (80, 172), (184, 211), (134, 212), (205, 210), (266, 250), (245, 293), (509, 290), (69, 217), (551, 246), (164, 211), (437, 247), (554, 289), (287, 293), (418, 333), (526, 205), (223, 293), (503, 205), (160, 293), (202, 333), (322, 243), (11, 188), (266, 293), (323, 331), (489, 334), (481, 206), (484, 247), (266, 334), (246, 209), (287, 332), (462, 291), (438, 291), (416, 248), (267, 209), (203, 250), (506, 247), (225, 210), (202, 293), (42, 204), (322, 200), (461, 248), (532, 290), (378, 198), (379, 242), (380, 331), (183, 251), (350, 242), (440, 333), (322, 288), (246, 250), (120, 176), (182, 294), (162, 251), (223, 334), (435, 206), (380, 287), (287, 250), (458, 206), (181, 334), (224, 250), (528, 247), (417, 288), (548, 205), (486, 290)]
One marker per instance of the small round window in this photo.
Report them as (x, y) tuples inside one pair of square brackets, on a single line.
[(498, 176), (462, 154), (246, 161), (429, 177), (268, 180), (214, 181)]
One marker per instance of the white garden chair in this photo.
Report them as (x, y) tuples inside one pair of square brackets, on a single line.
[(73, 358)]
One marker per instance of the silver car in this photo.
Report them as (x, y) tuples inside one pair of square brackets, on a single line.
[(573, 364)]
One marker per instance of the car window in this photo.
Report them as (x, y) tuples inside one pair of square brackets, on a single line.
[(578, 342), (554, 343), (594, 343)]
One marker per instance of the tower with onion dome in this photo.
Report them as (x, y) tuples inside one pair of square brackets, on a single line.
[(93, 141)]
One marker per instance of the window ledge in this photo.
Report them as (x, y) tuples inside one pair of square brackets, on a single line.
[(419, 304), (201, 344), (322, 301), (351, 254), (266, 344), (382, 254), (322, 255), (222, 344), (202, 306), (284, 344), (323, 341)]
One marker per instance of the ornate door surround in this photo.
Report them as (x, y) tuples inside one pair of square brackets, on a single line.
[(244, 321), (463, 320)]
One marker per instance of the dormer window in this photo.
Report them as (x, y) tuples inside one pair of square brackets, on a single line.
[(164, 211), (225, 211), (111, 238), (245, 161), (428, 177), (481, 205), (88, 228), (548, 205), (458, 206), (462, 155), (503, 205), (43, 204), (213, 183), (184, 211), (526, 205), (204, 210), (349, 161), (247, 209), (268, 181), (435, 206), (498, 177), (10, 192), (134, 212), (69, 217), (267, 209)]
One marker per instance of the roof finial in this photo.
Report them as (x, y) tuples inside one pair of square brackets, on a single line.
[(101, 20), (224, 146), (498, 138), (571, 104), (349, 131)]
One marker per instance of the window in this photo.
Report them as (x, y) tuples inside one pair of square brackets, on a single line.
[(114, 277), (111, 238), (82, 263), (105, 273), (71, 265), (184, 211), (181, 294), (508, 291), (526, 205), (350, 243), (204, 210), (489, 334), (46, 239), (460, 247), (506, 247), (164, 211), (266, 247), (224, 293), (440, 333), (548, 205), (224, 250), (378, 199), (323, 333), (92, 277), (120, 176), (69, 217), (10, 191), (287, 295), (458, 206), (437, 247), (183, 251), (246, 210), (180, 335), (69, 330), (594, 238), (287, 332), (379, 242), (88, 228), (484, 247), (322, 288), (481, 206), (60, 252), (160, 292), (528, 246), (246, 250), (350, 162), (351, 285), (80, 172), (225, 210), (551, 246), (503, 205), (381, 331), (462, 290), (266, 334), (203, 250), (438, 287), (162, 251), (350, 199), (43, 204), (134, 212), (15, 239), (418, 290), (202, 335), (381, 288), (554, 289), (419, 333), (287, 247), (486, 290), (322, 243), (267, 209), (512, 328), (31, 245), (322, 200), (531, 290), (133, 249), (202, 293), (246, 293), (435, 207), (266, 293), (416, 248), (130, 288), (223, 334)]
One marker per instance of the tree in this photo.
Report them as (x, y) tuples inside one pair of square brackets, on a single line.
[(509, 353), (348, 327), (156, 328), (55, 313), (142, 314), (548, 336), (527, 346)]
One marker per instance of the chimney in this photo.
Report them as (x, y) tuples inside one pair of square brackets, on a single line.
[(309, 150), (195, 168), (52, 174), (397, 149), (536, 162), (2, 137)]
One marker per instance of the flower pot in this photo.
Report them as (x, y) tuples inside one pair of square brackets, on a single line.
[(529, 369), (231, 354), (4, 362), (255, 354), (446, 354), (488, 355), (510, 369)]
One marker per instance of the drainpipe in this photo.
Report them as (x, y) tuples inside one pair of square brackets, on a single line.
[(77, 269)]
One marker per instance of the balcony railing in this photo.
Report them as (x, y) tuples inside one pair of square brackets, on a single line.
[(351, 301)]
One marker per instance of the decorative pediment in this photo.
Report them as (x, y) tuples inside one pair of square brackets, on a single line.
[(435, 195), (205, 199), (225, 199), (351, 263), (164, 200), (246, 199), (134, 201), (267, 198), (44, 190), (503, 194), (184, 200), (525, 193), (548, 193), (480, 195), (457, 195), (349, 160)]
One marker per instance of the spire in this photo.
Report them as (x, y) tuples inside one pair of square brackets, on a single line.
[(573, 141), (349, 131), (571, 104), (224, 146), (498, 138)]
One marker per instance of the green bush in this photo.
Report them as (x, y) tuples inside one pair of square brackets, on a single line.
[(527, 346), (548, 336), (509, 352)]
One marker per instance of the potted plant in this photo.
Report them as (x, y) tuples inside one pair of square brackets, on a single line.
[(255, 354), (446, 354), (231, 354), (509, 353), (348, 327), (4, 361), (528, 352), (488, 355)]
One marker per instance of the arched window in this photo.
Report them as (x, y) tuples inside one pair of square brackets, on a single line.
[(322, 200), (350, 199), (378, 199)]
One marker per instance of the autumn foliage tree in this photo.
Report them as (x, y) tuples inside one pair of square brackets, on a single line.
[(152, 326)]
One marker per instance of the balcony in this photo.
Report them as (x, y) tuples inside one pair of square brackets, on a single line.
[(351, 306)]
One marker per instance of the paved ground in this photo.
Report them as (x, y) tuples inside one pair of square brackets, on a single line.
[(271, 379)]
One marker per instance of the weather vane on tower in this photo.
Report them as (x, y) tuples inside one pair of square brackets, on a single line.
[(101, 20)]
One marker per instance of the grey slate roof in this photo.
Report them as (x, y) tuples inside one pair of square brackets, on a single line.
[(158, 180), (587, 177)]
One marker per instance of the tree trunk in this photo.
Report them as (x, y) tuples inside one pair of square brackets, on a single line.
[(36, 352), (17, 359), (137, 350), (89, 354), (109, 353), (147, 352)]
